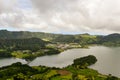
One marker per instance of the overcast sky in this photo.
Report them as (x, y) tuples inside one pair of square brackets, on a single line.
[(61, 16)]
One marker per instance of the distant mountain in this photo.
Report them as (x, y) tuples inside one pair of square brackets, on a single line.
[(4, 34), (111, 40), (84, 39)]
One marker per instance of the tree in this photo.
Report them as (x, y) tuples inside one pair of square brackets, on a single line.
[(85, 61)]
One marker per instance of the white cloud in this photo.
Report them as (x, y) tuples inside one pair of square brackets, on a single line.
[(7, 5), (99, 16)]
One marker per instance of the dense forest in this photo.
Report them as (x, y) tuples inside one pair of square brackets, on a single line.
[(22, 44)]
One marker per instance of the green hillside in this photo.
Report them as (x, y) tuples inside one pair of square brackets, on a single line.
[(83, 39), (4, 34), (110, 40)]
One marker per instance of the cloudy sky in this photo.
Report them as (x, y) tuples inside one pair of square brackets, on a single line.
[(61, 16)]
